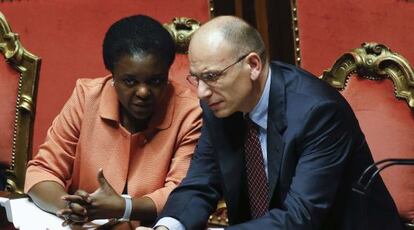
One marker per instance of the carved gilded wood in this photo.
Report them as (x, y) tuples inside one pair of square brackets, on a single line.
[(181, 29), (295, 25), (27, 65), (374, 61)]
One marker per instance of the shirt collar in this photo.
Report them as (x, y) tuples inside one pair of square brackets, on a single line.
[(259, 113), (163, 114)]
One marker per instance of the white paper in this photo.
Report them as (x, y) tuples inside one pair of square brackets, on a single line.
[(26, 215)]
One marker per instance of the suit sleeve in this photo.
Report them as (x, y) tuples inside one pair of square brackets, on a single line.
[(323, 147), (194, 200)]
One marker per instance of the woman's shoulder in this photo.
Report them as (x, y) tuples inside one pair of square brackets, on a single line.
[(91, 83), (183, 93), (91, 86)]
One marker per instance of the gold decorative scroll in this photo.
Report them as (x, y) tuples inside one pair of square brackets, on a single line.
[(374, 61), (181, 29), (27, 65)]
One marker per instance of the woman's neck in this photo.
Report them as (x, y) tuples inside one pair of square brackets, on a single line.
[(132, 124)]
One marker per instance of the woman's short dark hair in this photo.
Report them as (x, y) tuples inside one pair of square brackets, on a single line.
[(138, 34)]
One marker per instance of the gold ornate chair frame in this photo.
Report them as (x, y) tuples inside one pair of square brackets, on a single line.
[(181, 29), (376, 62), (27, 65)]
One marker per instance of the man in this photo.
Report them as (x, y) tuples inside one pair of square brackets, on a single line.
[(294, 166)]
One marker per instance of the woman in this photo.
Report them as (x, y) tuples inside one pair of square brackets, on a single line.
[(136, 126)]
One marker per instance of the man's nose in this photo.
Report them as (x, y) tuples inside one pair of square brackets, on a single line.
[(203, 90)]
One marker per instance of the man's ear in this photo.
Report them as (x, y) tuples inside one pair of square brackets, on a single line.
[(255, 64)]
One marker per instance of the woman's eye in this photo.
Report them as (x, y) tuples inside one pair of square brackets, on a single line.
[(157, 81), (129, 82)]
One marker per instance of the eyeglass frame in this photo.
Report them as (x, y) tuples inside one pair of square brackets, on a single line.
[(211, 77)]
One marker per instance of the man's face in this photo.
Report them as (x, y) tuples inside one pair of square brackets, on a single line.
[(229, 92), (140, 83)]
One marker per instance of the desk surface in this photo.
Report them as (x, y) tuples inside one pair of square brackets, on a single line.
[(4, 223)]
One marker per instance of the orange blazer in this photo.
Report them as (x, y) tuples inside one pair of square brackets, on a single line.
[(87, 135)]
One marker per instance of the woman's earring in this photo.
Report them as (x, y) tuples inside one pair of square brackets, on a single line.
[(112, 82)]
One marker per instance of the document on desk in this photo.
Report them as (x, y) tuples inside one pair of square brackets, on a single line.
[(25, 215)]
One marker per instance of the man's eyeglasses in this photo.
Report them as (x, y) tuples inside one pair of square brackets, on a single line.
[(210, 77)]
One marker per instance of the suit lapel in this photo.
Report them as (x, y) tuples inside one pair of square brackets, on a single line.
[(276, 124), (227, 136)]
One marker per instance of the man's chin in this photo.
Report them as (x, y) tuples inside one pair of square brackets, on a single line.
[(221, 113)]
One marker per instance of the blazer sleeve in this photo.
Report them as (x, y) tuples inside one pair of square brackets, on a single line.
[(323, 147), (194, 200), (181, 158), (56, 155)]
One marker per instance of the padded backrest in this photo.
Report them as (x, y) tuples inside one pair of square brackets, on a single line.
[(68, 36), (379, 85), (19, 71), (326, 28)]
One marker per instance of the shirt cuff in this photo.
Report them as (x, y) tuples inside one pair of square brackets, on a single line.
[(170, 223)]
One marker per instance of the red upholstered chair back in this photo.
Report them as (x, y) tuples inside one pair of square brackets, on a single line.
[(379, 85), (68, 36), (19, 71)]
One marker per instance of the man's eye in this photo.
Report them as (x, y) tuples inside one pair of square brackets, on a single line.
[(209, 76)]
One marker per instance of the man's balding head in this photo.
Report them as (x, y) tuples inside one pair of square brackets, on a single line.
[(236, 33)]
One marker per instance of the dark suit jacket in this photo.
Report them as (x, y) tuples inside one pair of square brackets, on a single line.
[(316, 151)]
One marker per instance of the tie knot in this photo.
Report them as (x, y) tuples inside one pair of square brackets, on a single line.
[(249, 123)]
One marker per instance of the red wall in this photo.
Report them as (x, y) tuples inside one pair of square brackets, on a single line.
[(327, 28), (68, 34)]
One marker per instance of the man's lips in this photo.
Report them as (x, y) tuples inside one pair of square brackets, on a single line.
[(214, 105)]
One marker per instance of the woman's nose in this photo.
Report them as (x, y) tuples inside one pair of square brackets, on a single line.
[(142, 91)]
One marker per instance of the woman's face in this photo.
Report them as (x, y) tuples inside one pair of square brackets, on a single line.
[(140, 82)]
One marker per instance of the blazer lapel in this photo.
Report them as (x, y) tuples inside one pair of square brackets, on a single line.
[(276, 124)]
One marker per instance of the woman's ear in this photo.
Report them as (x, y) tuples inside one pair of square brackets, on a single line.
[(255, 64)]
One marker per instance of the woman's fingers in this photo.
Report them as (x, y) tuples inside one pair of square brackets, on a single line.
[(76, 199), (77, 209)]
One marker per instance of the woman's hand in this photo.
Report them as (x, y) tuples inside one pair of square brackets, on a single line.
[(104, 203), (75, 212)]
